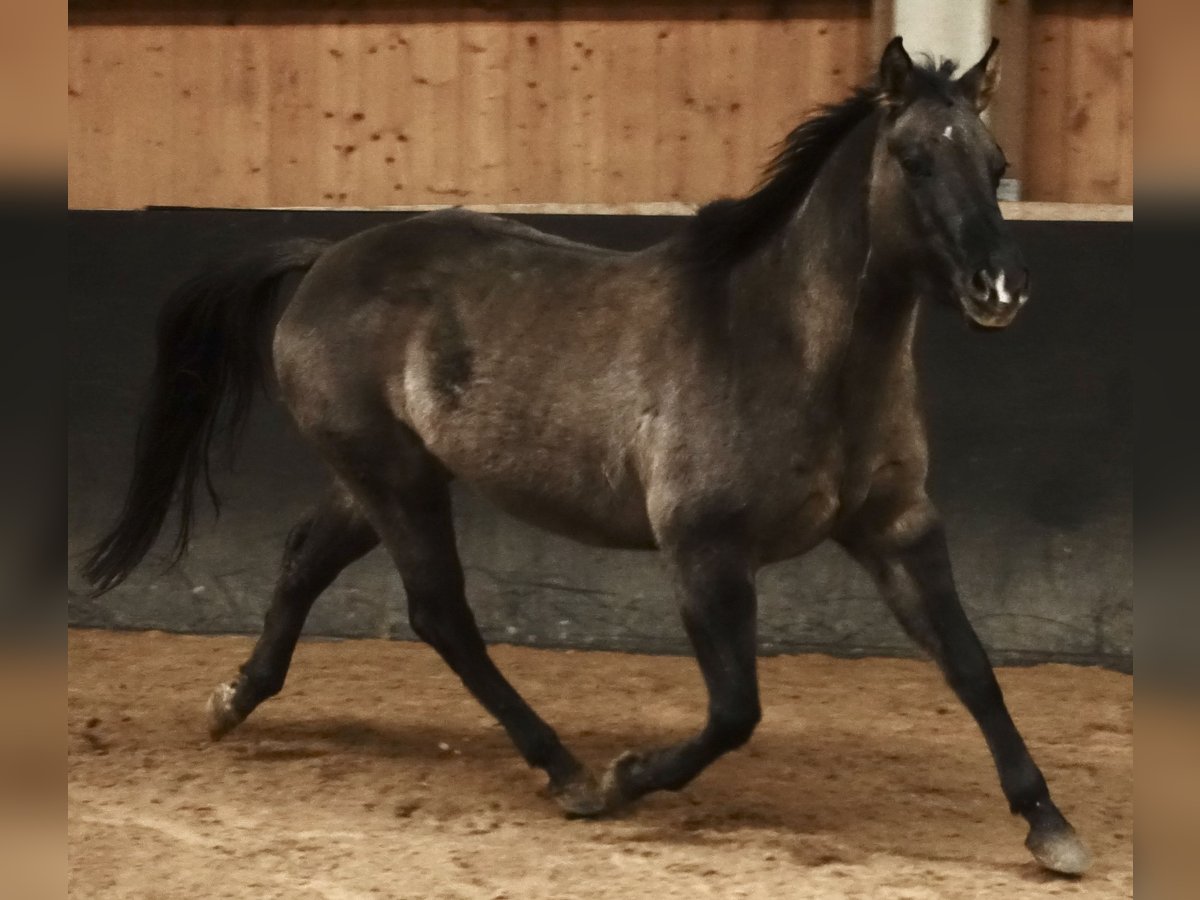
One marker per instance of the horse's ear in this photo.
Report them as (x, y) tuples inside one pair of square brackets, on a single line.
[(895, 67), (978, 83)]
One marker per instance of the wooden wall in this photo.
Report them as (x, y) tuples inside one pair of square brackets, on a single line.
[(452, 102), (1079, 129), (311, 103)]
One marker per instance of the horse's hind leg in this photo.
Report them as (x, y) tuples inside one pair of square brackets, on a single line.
[(915, 579), (412, 513), (331, 537)]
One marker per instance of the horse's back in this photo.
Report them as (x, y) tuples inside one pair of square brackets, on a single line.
[(455, 236)]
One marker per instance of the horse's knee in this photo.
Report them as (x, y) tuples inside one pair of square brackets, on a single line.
[(317, 549), (429, 622), (423, 624), (437, 607), (295, 540)]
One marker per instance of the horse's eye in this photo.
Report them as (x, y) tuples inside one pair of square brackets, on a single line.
[(917, 164)]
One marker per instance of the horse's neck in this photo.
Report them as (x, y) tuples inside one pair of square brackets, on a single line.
[(853, 312)]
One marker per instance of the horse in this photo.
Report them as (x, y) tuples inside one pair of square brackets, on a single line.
[(730, 397)]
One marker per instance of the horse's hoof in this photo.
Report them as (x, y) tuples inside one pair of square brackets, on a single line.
[(617, 783), (1058, 848), (222, 717), (581, 798)]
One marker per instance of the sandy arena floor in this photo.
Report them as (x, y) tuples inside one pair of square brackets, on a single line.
[(375, 775)]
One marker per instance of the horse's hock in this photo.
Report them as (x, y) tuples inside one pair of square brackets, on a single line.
[(1031, 454)]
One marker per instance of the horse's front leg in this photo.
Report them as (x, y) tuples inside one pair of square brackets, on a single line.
[(906, 553), (718, 605)]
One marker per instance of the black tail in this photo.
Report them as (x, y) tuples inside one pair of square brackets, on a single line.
[(212, 339)]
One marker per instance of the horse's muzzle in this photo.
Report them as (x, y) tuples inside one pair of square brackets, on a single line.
[(992, 298)]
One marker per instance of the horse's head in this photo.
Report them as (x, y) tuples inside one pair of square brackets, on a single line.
[(933, 198)]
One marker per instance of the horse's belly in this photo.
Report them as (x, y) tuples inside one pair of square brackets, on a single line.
[(567, 486), (602, 519)]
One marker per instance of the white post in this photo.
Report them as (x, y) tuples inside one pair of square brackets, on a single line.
[(955, 29), (958, 29)]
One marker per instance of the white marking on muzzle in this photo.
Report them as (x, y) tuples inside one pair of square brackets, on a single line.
[(1002, 293), (949, 132)]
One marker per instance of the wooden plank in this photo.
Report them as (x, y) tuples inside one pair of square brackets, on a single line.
[(634, 121), (1011, 24), (126, 81), (145, 85), (542, 37), (532, 104), (401, 119), (883, 25), (782, 100), (706, 175), (81, 180), (191, 163), (1046, 156), (87, 148), (483, 67), (436, 141), (675, 143), (331, 132), (1093, 107), (747, 42), (1124, 192), (583, 62), (847, 68), (344, 157), (95, 159), (371, 95), (291, 113), (868, 53), (244, 122)]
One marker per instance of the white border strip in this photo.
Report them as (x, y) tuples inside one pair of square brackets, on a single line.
[(1067, 212), (668, 208), (1023, 211)]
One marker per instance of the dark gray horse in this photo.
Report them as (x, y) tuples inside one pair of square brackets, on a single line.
[(731, 397)]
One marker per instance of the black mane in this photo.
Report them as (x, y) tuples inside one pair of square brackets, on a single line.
[(724, 231)]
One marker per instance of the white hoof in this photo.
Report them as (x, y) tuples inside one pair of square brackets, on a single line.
[(222, 718), (1059, 850)]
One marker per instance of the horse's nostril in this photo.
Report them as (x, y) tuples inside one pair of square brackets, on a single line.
[(981, 282)]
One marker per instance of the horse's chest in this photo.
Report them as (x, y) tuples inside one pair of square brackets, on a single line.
[(798, 494)]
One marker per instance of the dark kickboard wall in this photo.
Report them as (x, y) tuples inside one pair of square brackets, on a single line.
[(1031, 443)]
